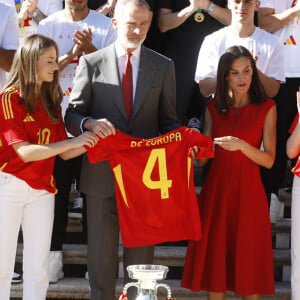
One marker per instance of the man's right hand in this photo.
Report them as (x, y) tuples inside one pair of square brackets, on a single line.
[(102, 127)]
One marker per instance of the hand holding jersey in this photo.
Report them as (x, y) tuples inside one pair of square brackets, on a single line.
[(102, 127)]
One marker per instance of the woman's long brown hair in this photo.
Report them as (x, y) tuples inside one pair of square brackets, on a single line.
[(256, 90), (23, 77)]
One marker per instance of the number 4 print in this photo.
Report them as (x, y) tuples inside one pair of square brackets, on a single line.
[(163, 184)]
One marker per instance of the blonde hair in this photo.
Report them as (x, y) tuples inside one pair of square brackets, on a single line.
[(23, 76)]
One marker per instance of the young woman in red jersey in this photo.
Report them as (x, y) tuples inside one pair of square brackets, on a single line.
[(235, 252), (32, 133)]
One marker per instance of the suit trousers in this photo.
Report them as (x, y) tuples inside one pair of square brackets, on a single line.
[(295, 239), (33, 209), (103, 245), (65, 171)]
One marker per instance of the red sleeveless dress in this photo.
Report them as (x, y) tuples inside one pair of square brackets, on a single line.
[(235, 252)]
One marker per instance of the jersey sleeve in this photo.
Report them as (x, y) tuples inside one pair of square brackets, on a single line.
[(203, 142), (104, 148), (11, 120)]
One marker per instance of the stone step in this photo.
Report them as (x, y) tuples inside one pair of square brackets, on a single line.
[(285, 197), (78, 288), (74, 225), (163, 255), (282, 226)]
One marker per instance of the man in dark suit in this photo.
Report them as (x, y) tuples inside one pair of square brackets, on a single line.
[(99, 103)]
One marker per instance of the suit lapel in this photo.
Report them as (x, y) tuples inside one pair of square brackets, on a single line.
[(145, 74), (110, 72)]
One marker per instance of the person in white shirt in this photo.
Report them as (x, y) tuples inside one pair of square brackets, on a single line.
[(283, 19), (31, 12), (185, 25), (264, 46), (8, 39), (78, 31), (37, 9)]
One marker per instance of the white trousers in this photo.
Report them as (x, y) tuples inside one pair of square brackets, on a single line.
[(295, 239), (33, 210)]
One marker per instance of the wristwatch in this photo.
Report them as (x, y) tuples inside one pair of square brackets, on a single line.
[(36, 13), (38, 16), (211, 7)]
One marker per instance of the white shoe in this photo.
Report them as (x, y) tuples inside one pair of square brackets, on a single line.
[(76, 210), (276, 208), (17, 278), (55, 266)]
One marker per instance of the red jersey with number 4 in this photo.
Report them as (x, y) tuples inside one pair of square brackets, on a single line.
[(17, 125), (154, 184)]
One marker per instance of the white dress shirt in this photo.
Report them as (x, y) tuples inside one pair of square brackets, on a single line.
[(135, 62)]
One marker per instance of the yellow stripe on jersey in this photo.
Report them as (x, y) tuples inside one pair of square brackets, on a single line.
[(10, 112), (118, 175), (1, 144), (3, 166), (6, 106), (52, 184), (189, 165)]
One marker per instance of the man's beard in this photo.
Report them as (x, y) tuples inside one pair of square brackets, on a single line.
[(131, 44)]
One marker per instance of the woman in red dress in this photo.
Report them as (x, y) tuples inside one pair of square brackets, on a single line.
[(235, 253)]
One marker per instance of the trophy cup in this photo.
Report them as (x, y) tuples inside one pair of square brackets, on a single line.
[(146, 284)]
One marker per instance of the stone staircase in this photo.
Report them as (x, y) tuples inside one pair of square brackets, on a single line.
[(74, 286)]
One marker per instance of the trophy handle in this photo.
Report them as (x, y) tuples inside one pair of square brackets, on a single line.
[(169, 297), (126, 287)]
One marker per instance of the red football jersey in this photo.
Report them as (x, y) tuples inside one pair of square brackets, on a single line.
[(17, 125), (154, 184)]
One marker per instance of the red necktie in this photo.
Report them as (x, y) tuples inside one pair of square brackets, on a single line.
[(127, 86)]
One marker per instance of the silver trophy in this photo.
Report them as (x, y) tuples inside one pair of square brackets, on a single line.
[(146, 276)]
